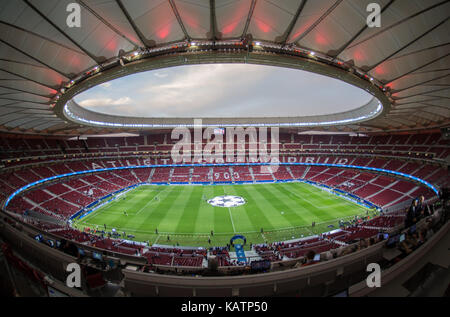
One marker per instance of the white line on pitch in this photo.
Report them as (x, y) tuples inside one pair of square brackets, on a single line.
[(231, 217), (307, 200), (137, 213)]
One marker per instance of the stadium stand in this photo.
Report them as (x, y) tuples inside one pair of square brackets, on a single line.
[(69, 195)]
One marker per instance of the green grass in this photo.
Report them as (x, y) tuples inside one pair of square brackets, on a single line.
[(283, 210)]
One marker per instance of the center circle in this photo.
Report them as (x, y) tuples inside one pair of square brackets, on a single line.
[(226, 201)]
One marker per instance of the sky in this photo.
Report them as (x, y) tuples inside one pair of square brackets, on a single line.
[(223, 90)]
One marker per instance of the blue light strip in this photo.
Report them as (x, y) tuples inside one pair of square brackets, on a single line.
[(213, 165)]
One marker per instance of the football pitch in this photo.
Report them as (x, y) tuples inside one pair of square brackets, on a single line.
[(184, 215)]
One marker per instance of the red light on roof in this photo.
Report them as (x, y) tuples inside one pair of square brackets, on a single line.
[(262, 26), (320, 39), (229, 28), (380, 70), (358, 56), (162, 34)]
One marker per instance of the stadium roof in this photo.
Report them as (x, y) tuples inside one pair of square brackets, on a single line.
[(40, 53)]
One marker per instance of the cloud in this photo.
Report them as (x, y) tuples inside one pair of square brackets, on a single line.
[(101, 102), (161, 74), (199, 89), (223, 90)]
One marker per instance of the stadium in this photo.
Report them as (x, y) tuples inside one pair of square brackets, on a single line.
[(229, 148)]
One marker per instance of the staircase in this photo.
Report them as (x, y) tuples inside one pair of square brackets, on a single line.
[(191, 171), (305, 172), (288, 168), (151, 175), (251, 173), (170, 175)]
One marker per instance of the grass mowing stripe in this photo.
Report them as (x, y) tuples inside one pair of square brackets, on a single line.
[(177, 208), (205, 216), (301, 210), (189, 216), (273, 214), (343, 210), (319, 196), (146, 204), (229, 211), (254, 212), (320, 214), (313, 197), (231, 218), (182, 213), (147, 218), (222, 221), (160, 213), (240, 214), (333, 199), (292, 217), (151, 199)]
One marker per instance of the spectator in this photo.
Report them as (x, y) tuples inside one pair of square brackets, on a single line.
[(422, 208), (310, 258), (409, 244), (405, 247), (328, 255), (411, 216), (69, 248)]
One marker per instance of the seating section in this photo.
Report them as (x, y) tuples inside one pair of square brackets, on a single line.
[(161, 175), (175, 256), (116, 246), (357, 233), (201, 174), (282, 250), (77, 192), (242, 173), (224, 174), (365, 229), (262, 173), (222, 255), (142, 174), (415, 146), (387, 221), (29, 160), (282, 173), (181, 175)]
